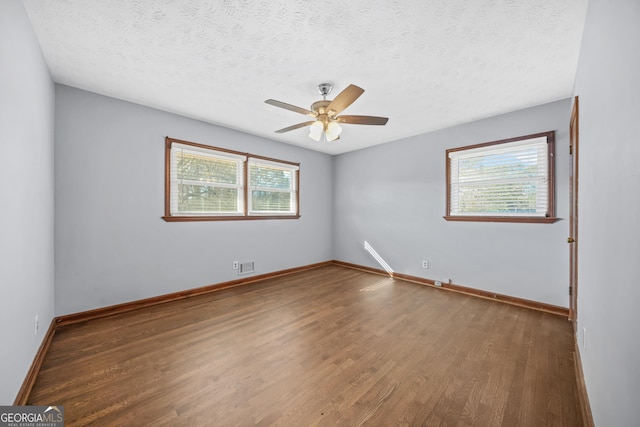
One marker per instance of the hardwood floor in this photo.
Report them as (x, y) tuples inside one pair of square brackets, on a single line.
[(331, 346)]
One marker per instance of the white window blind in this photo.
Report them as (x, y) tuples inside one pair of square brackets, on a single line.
[(505, 179), (272, 188), (205, 182)]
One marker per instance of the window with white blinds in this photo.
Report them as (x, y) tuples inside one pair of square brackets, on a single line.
[(272, 188), (506, 180), (208, 183)]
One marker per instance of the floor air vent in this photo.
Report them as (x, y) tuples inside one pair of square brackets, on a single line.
[(246, 267)]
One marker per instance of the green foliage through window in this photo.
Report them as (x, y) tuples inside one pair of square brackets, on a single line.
[(269, 201), (206, 168), (270, 177), (205, 199)]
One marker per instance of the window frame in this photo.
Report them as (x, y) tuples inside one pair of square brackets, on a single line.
[(550, 215), (244, 214)]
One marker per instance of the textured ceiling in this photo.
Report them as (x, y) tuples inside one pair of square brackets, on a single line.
[(425, 64)]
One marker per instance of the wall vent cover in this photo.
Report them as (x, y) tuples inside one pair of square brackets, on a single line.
[(246, 267)]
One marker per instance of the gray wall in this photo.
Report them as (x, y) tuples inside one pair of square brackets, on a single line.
[(394, 195), (609, 207), (112, 245), (26, 188)]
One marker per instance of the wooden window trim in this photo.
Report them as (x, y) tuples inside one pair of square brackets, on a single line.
[(551, 215), (239, 217)]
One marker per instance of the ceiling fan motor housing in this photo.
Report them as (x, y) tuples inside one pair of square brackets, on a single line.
[(320, 107)]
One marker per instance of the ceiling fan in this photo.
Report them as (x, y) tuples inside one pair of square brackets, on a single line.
[(325, 113)]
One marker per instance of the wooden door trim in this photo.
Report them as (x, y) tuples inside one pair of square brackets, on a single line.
[(573, 211)]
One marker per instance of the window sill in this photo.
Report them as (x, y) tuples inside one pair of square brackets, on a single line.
[(225, 218), (528, 219)]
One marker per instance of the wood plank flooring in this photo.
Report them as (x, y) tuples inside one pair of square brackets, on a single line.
[(331, 346)]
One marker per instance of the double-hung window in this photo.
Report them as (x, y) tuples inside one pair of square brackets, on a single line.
[(272, 188), (509, 180), (204, 183)]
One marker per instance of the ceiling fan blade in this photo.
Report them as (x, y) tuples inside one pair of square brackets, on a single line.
[(290, 107), (299, 125), (363, 120), (344, 99)]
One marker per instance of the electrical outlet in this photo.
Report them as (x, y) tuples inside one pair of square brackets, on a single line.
[(425, 264), (235, 265), (37, 325), (437, 283)]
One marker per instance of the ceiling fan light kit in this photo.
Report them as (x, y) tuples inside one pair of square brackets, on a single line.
[(325, 112), (333, 131), (315, 131)]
